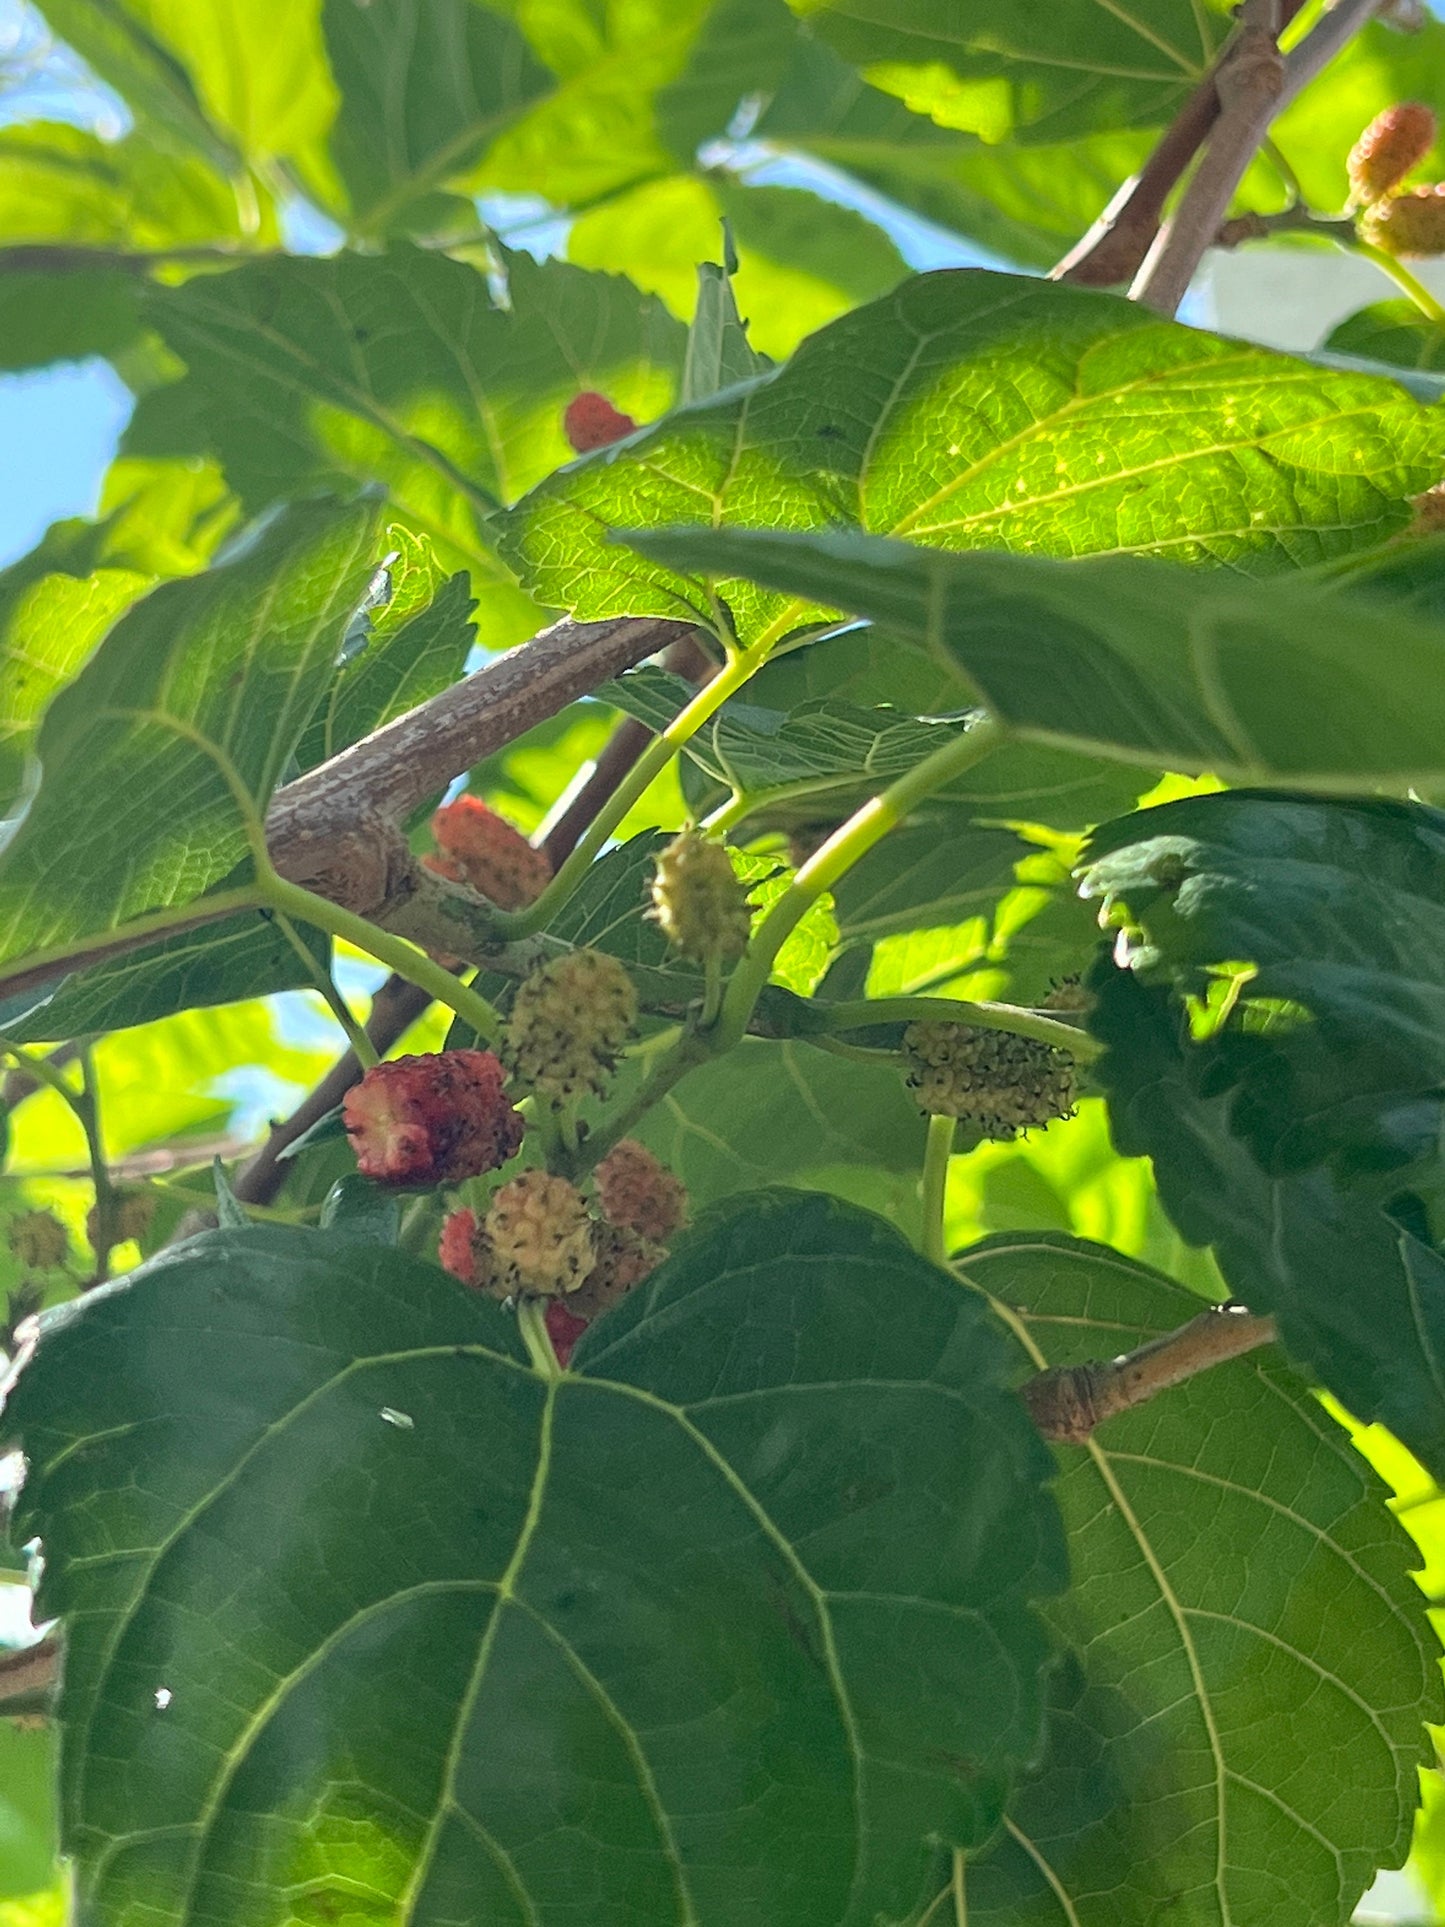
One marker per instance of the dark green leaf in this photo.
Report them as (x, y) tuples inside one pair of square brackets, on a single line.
[(1123, 656), (1359, 1297), (498, 1675), (362, 1210), (426, 85), (821, 1113), (1336, 908), (205, 684), (1232, 1556), (240, 957), (970, 410), (936, 870)]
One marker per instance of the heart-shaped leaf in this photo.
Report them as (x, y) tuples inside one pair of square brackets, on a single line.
[(359, 1604)]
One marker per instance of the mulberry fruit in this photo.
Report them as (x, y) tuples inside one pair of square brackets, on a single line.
[(39, 1240), (482, 849), (437, 1119), (1394, 143), (569, 1020), (541, 1237), (639, 1194), (457, 1246), (698, 901), (564, 1328), (131, 1210), (999, 1083), (622, 1260), (592, 422), (1412, 223)]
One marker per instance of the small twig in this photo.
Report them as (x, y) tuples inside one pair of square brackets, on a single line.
[(1067, 1402), (28, 1676), (87, 1110), (21, 1082), (334, 829), (1250, 83)]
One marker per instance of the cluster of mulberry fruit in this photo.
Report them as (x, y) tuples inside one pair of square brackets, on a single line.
[(542, 1238), (997, 1082), (1390, 216)]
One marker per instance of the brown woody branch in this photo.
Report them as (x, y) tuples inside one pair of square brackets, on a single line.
[(28, 1677), (1067, 1402)]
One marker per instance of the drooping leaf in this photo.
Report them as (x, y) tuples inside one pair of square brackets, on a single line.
[(1124, 656), (401, 369), (206, 683), (1335, 908), (231, 78), (1358, 1294), (425, 86), (971, 410), (994, 68), (1232, 1557), (489, 1618)]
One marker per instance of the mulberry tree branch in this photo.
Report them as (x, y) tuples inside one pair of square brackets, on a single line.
[(1067, 1402)]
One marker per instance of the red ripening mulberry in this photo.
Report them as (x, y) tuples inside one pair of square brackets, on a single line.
[(457, 1246), (1394, 143), (592, 422), (1412, 223), (482, 849), (435, 1119), (564, 1328), (637, 1192), (623, 1260)]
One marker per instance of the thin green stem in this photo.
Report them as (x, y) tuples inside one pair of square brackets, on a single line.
[(864, 1012), (532, 1324), (86, 1105), (650, 764), (362, 1046), (960, 1893), (44, 1072), (712, 993), (832, 861), (937, 1152), (728, 815), (1399, 274), (398, 955)]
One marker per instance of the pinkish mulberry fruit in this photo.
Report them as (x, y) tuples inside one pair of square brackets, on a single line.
[(592, 422), (482, 849), (1394, 143), (637, 1192), (437, 1119)]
